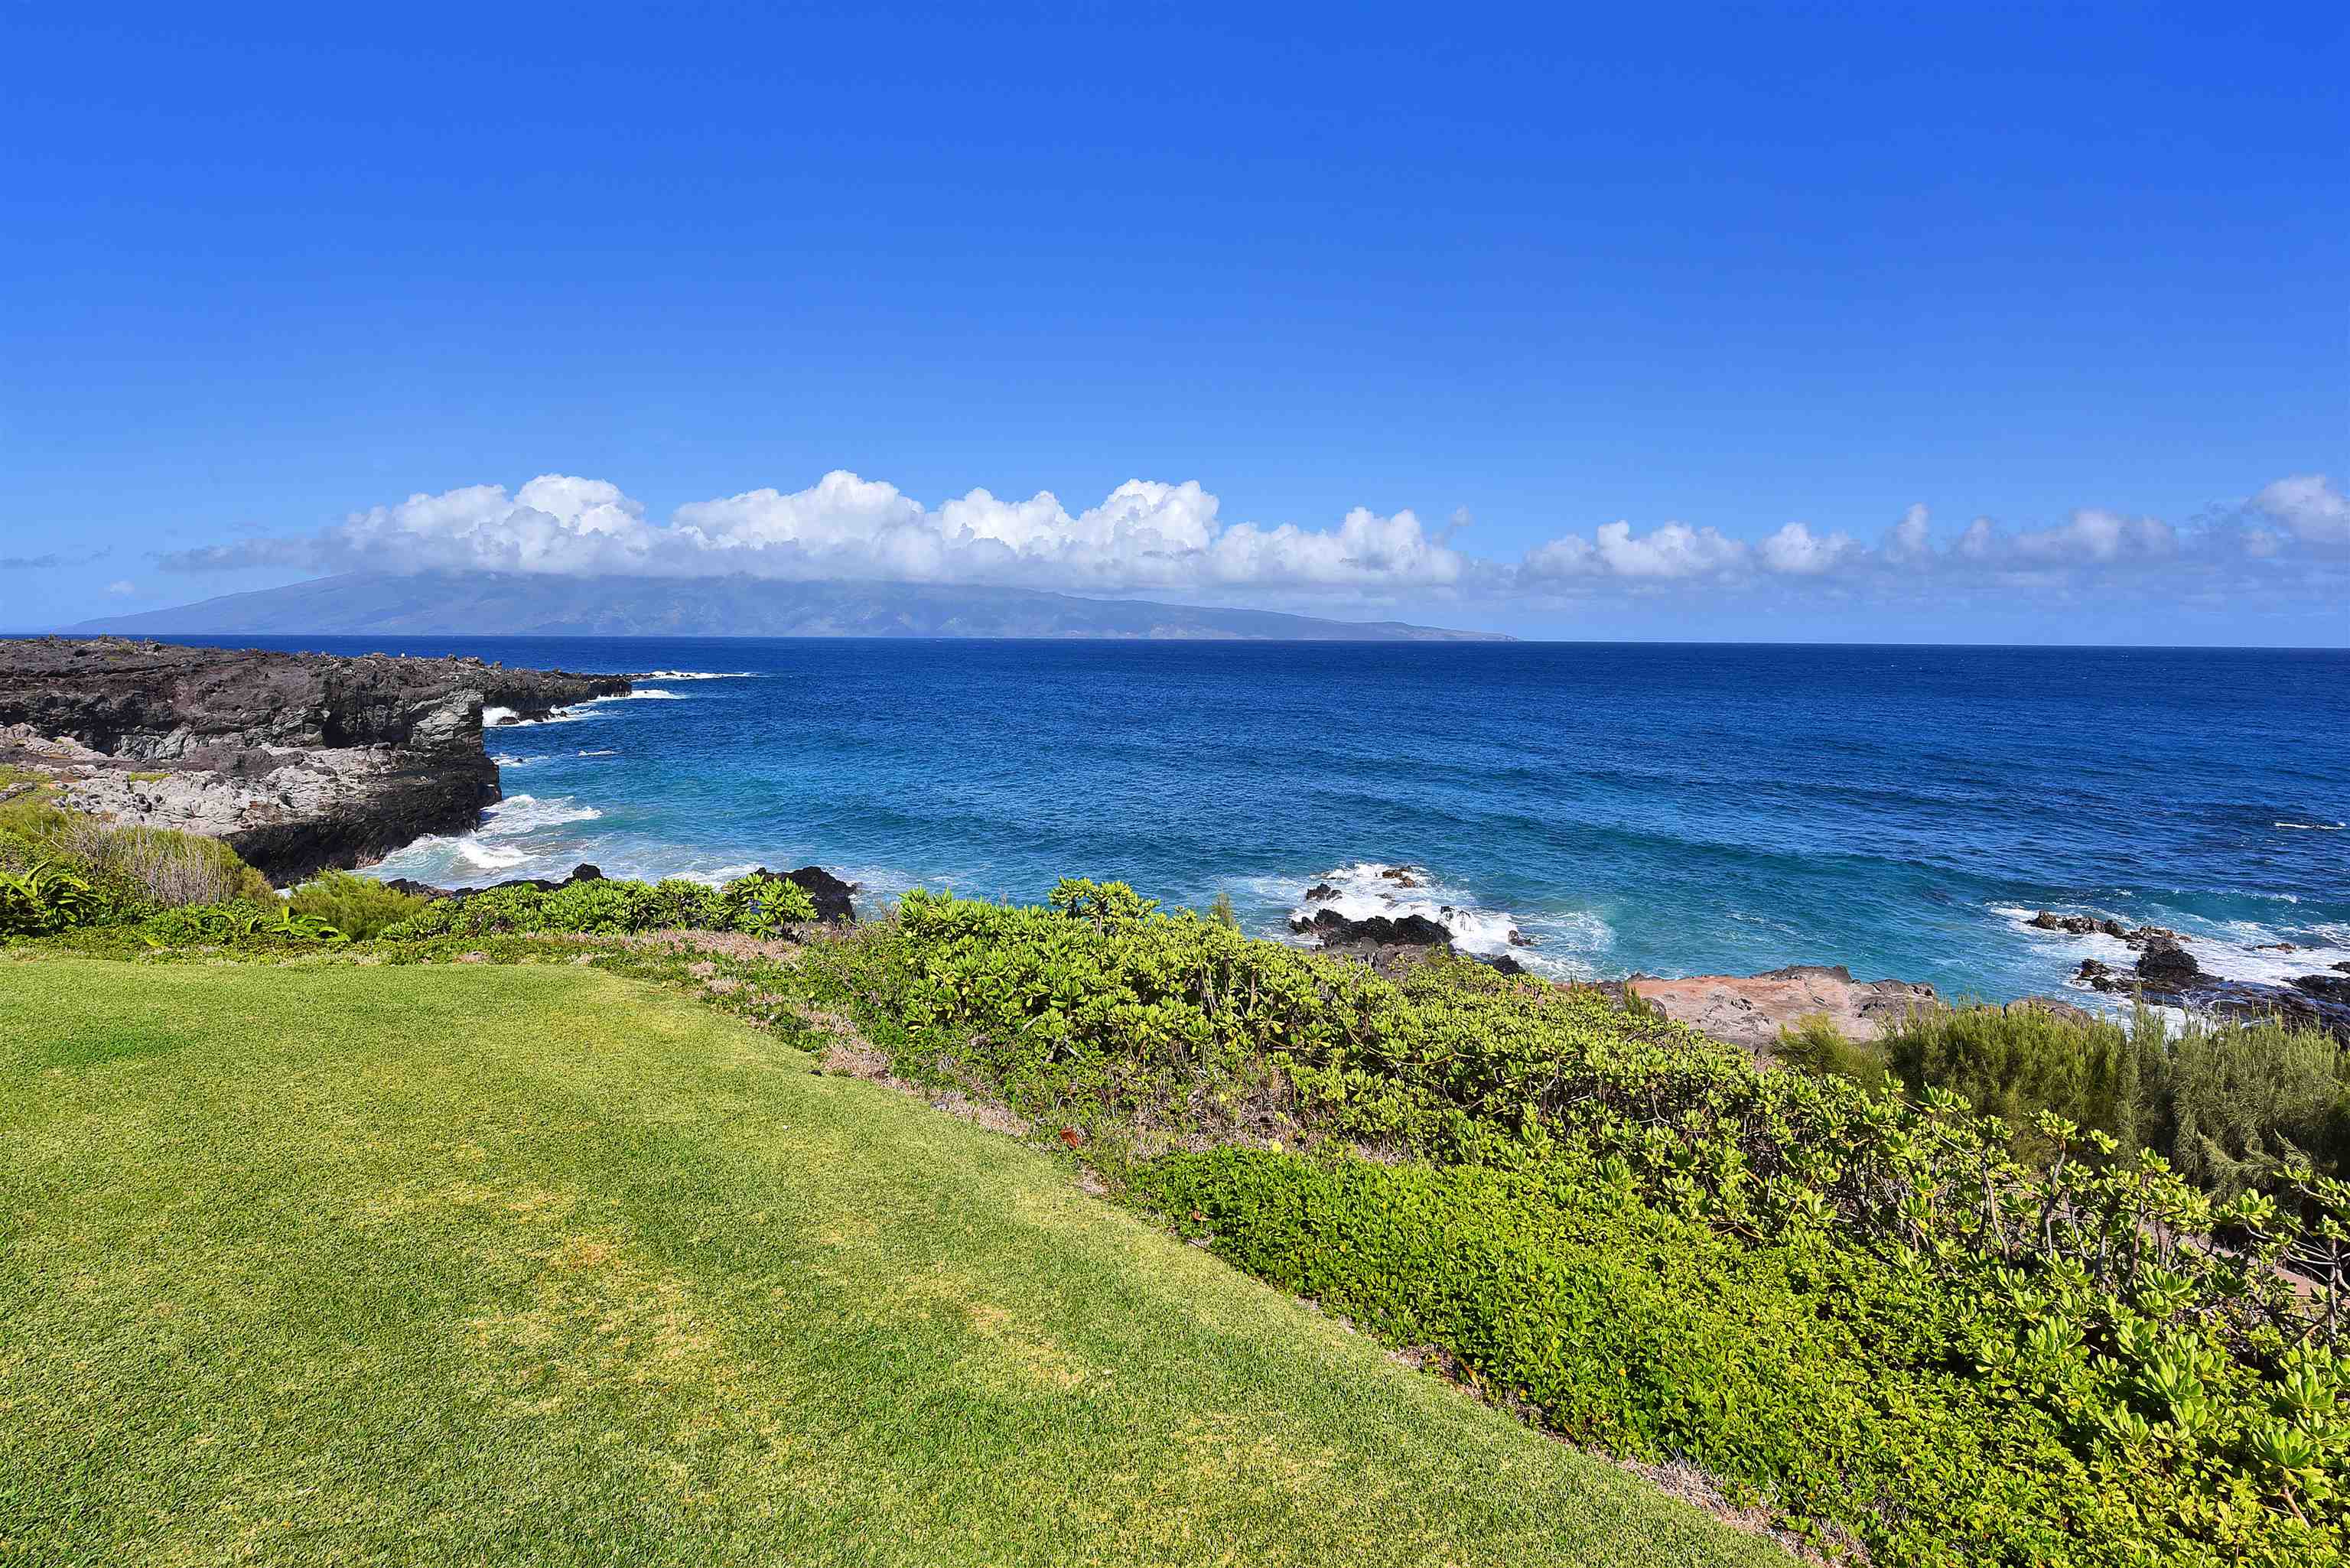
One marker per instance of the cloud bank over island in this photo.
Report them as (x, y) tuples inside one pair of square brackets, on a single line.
[(2292, 536)]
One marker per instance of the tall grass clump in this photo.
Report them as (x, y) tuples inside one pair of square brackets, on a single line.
[(2232, 1104), (130, 871), (359, 907)]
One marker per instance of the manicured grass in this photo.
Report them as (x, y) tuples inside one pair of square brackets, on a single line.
[(537, 1265)]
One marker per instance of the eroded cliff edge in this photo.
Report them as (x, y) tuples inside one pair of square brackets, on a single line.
[(298, 761)]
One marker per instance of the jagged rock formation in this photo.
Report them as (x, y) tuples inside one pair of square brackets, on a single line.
[(298, 761)]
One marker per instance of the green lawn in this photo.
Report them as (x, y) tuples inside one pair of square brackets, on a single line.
[(532, 1264)]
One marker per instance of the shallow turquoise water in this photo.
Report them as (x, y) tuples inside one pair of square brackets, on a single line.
[(1664, 809)]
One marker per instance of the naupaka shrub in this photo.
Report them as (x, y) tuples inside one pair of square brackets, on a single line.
[(1881, 1312)]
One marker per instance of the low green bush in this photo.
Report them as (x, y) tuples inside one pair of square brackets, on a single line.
[(234, 924), (129, 872), (1862, 1397), (762, 906), (44, 898), (358, 907)]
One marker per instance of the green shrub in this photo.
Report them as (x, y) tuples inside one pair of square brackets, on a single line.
[(44, 898), (763, 906), (1815, 1044), (130, 871), (236, 925), (358, 907), (1863, 1399), (2233, 1104)]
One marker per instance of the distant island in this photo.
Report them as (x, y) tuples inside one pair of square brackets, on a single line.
[(445, 604)]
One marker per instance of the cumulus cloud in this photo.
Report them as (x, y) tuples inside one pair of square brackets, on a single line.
[(2092, 534), (2309, 507), (121, 586), (1911, 540), (1143, 535), (1667, 552), (1795, 551), (1148, 536)]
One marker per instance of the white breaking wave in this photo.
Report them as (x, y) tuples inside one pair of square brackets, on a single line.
[(642, 693), (520, 814), (718, 877), (700, 674), (606, 752), (571, 715), (506, 761), (2232, 950), (490, 857), (1366, 888), (2314, 826)]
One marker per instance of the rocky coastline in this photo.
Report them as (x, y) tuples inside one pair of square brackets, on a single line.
[(1750, 1011), (299, 762)]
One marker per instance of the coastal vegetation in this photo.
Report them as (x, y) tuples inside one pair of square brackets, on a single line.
[(526, 1264), (67, 868), (2233, 1104), (1889, 1317)]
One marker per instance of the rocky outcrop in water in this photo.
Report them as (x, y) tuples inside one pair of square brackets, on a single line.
[(1748, 1011), (298, 761)]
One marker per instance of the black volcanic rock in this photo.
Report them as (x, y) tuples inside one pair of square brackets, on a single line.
[(2166, 964), (298, 761), (1381, 930), (831, 893), (2325, 987)]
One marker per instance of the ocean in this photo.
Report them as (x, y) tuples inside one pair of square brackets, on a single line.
[(1662, 809)]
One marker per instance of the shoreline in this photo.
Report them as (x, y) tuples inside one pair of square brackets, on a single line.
[(303, 762)]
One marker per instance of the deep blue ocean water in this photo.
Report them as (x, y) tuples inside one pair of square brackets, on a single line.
[(1666, 809)]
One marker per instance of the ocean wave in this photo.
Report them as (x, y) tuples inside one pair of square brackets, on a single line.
[(505, 719), (520, 814), (1370, 887), (718, 877), (2245, 950), (2313, 827), (490, 857), (642, 693), (503, 761), (700, 675), (606, 752)]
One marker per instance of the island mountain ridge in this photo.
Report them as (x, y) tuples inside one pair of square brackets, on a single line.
[(445, 604)]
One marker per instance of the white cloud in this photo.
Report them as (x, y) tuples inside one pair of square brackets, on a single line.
[(1979, 543), (1911, 539), (121, 585), (1795, 551), (2310, 508), (1151, 537), (1143, 535), (2092, 534), (1673, 550)]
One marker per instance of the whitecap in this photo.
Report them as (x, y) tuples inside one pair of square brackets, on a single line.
[(571, 715), (607, 752), (521, 814), (640, 694), (719, 878), (2314, 826), (490, 857), (699, 674), (1366, 888)]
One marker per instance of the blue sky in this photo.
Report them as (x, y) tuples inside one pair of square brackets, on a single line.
[(1577, 314)]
